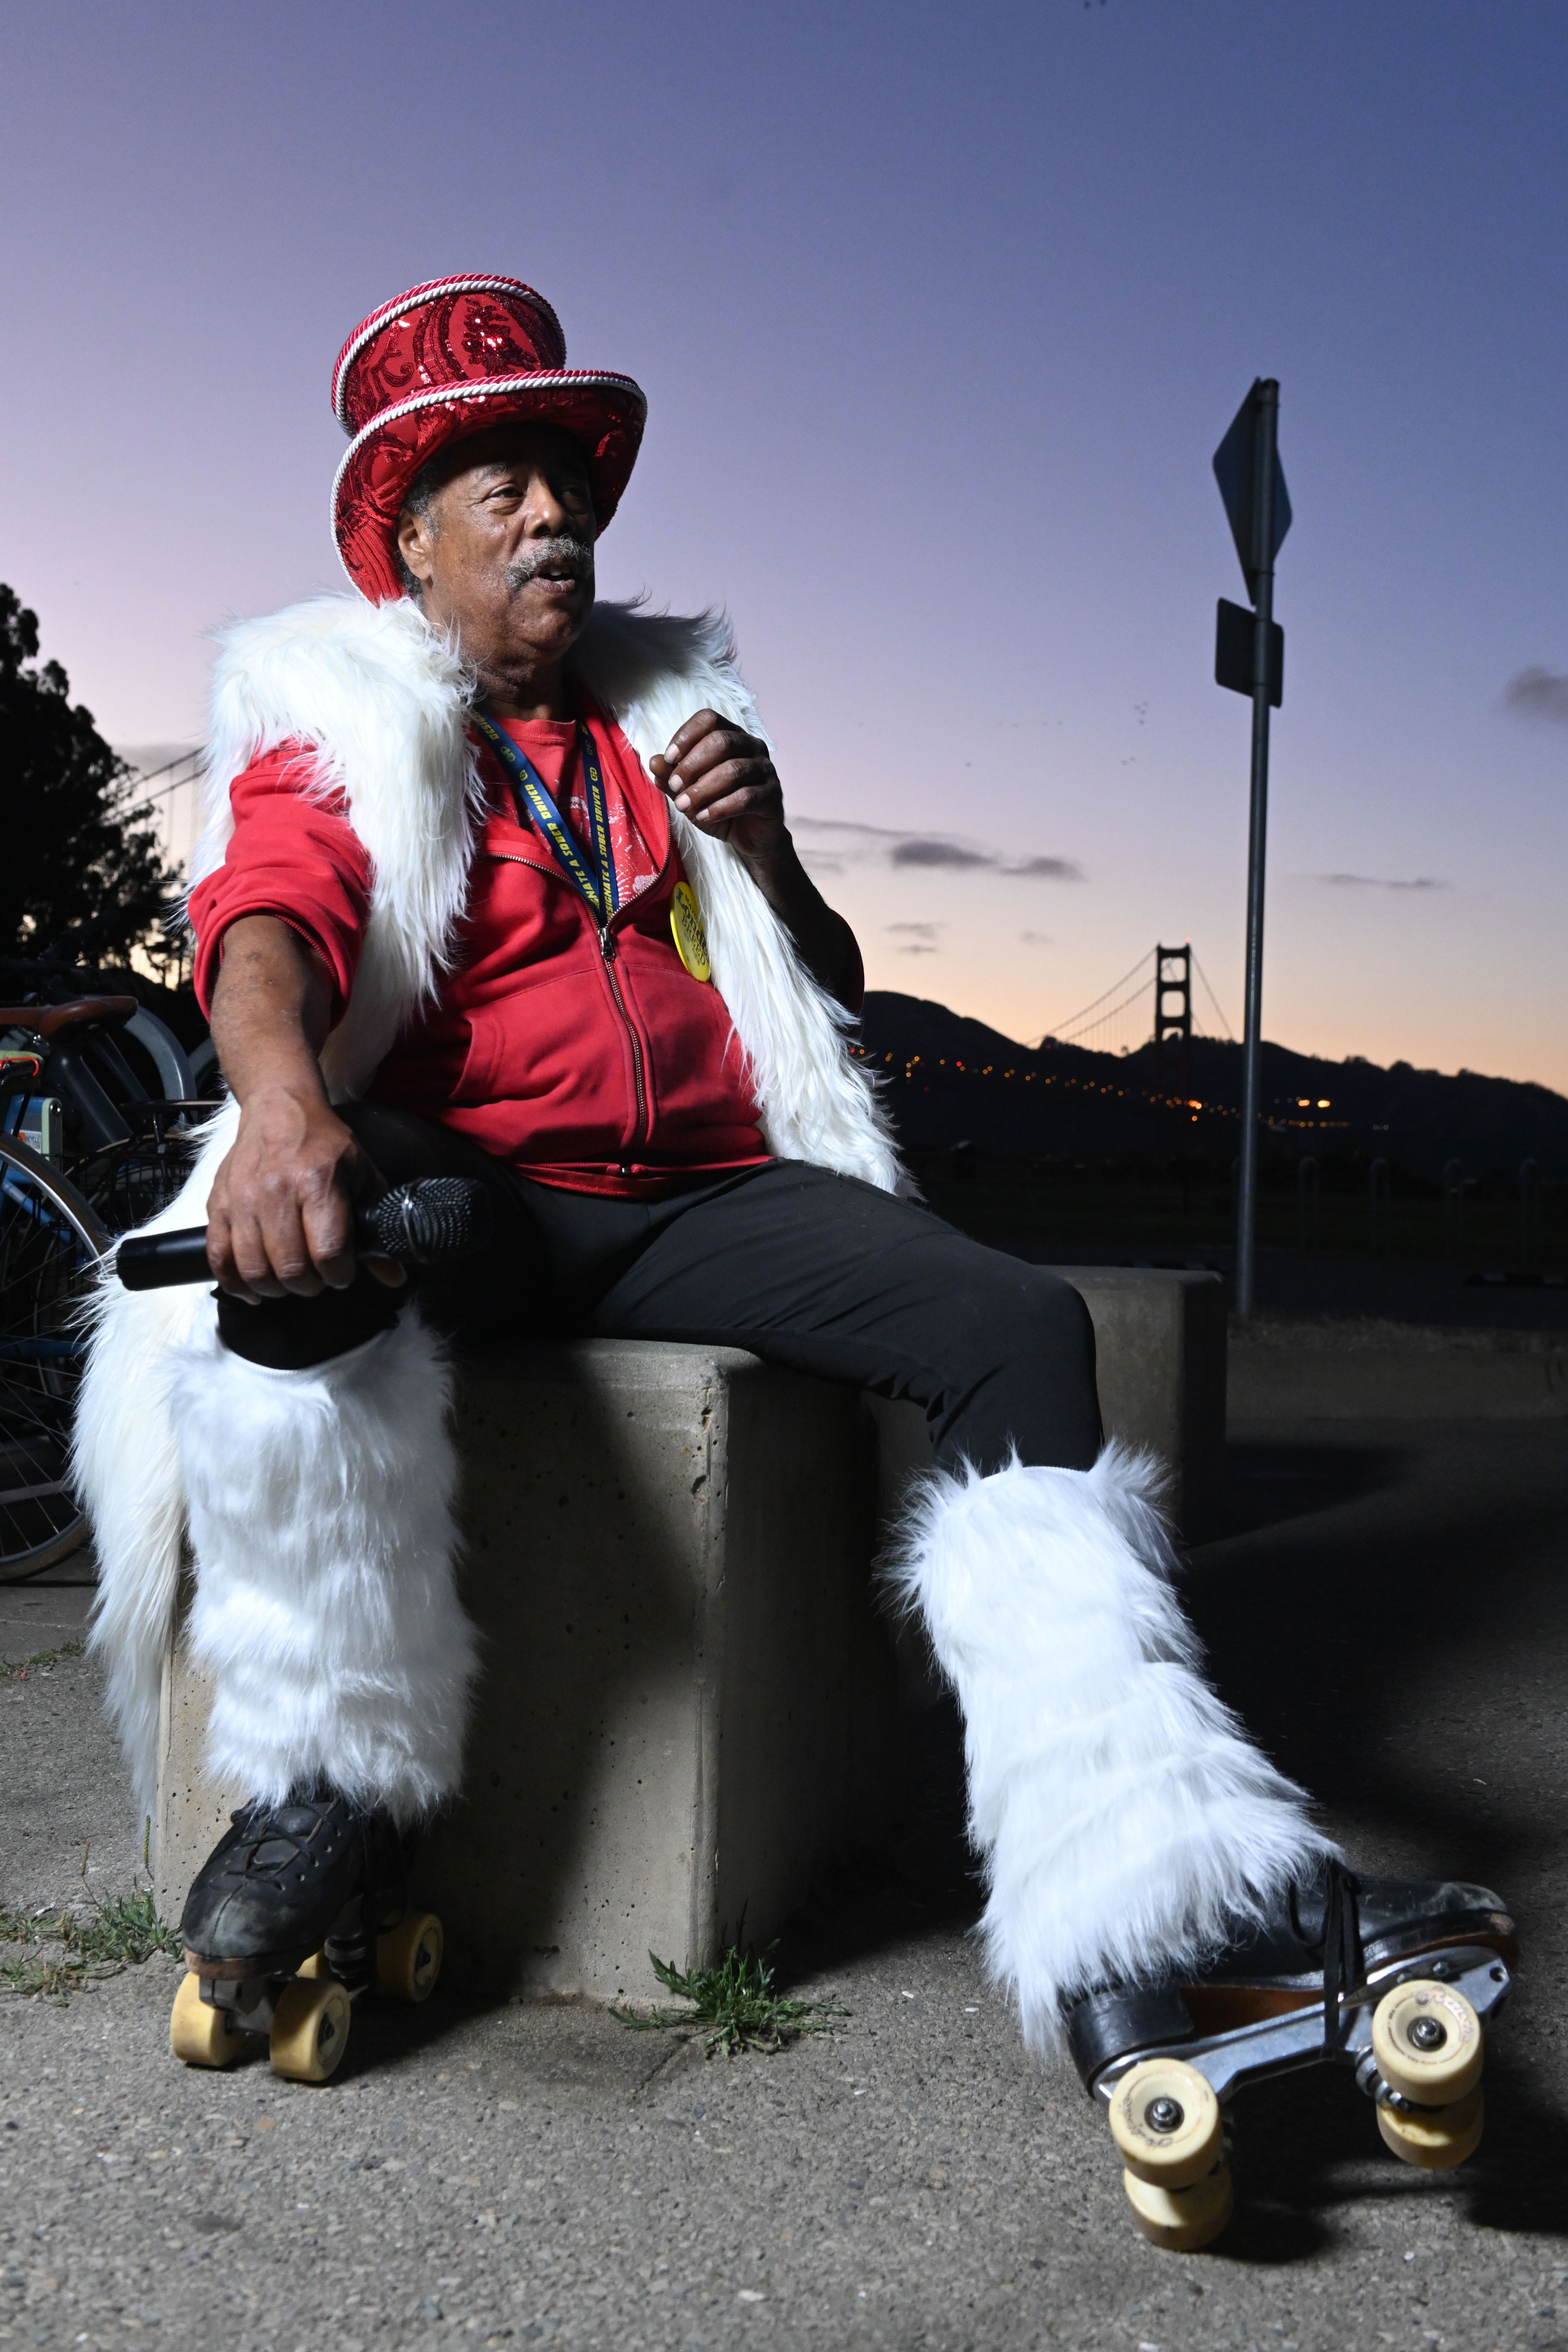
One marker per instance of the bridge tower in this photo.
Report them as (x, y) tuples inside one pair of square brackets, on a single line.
[(1174, 1020)]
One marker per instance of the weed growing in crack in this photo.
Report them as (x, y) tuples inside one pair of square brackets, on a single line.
[(98, 1939), (16, 1670), (735, 2000)]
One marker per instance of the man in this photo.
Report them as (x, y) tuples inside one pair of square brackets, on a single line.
[(498, 882)]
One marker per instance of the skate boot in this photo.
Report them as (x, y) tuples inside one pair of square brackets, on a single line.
[(1390, 1978), (298, 1909)]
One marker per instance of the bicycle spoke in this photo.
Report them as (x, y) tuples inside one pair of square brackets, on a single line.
[(49, 1254)]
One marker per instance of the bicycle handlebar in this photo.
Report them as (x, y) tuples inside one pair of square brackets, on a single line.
[(424, 1223)]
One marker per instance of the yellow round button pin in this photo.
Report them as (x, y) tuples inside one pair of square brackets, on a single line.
[(690, 938)]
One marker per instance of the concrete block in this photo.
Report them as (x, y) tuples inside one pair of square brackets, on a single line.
[(1160, 1346), (688, 1697)]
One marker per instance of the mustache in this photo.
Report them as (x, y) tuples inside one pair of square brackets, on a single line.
[(576, 555)]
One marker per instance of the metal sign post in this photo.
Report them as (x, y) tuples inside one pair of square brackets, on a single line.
[(1246, 467)]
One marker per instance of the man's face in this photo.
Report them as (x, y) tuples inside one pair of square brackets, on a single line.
[(505, 550)]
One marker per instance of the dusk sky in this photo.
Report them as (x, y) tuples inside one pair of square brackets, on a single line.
[(940, 314)]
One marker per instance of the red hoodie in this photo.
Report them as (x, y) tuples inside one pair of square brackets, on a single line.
[(606, 1073)]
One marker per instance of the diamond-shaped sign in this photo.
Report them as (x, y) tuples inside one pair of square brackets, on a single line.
[(1234, 468)]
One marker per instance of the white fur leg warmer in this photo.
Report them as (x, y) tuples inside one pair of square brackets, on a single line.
[(127, 1472), (326, 1609), (127, 1467), (1126, 1821)]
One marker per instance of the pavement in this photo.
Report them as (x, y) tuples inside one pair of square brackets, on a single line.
[(1389, 1610)]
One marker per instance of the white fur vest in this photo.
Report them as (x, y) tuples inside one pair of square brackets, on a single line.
[(384, 703)]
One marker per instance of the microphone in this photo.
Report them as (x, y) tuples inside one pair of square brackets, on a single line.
[(424, 1223)]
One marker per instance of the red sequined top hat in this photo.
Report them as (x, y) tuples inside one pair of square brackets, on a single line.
[(448, 359)]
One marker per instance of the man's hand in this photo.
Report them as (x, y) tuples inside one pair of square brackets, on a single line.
[(280, 1218), (725, 782)]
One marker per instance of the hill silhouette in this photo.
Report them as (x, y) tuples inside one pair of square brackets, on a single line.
[(952, 1079)]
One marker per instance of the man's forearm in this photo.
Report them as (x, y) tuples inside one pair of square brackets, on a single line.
[(823, 940), (269, 1014), (278, 1217)]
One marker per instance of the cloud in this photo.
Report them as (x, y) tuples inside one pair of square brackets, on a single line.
[(928, 849), (842, 840), (1539, 693), (1377, 882), (1036, 939), (922, 937), (1046, 870)]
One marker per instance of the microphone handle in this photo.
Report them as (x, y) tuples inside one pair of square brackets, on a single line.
[(161, 1261)]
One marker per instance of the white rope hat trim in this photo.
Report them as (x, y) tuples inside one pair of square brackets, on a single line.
[(564, 379), (403, 303)]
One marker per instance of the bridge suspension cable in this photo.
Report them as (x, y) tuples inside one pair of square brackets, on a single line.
[(1099, 1013), (1119, 1018)]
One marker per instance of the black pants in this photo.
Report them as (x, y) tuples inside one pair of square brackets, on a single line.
[(817, 1272)]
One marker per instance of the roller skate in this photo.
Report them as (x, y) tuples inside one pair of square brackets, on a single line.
[(299, 1909), (1392, 1978)]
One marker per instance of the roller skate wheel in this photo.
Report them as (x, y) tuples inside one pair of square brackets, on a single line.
[(199, 2032), (1182, 2220), (1435, 2139), (309, 2029), (317, 1965), (1426, 2040), (408, 1957), (1166, 2119)]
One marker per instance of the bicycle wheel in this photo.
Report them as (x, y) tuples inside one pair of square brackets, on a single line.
[(124, 1184), (49, 1241)]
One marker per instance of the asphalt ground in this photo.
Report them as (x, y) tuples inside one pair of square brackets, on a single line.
[(1446, 1295), (1391, 1614)]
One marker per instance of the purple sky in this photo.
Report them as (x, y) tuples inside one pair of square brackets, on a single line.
[(940, 313)]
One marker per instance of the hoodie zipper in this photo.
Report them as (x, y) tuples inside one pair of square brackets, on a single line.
[(607, 954), (607, 950)]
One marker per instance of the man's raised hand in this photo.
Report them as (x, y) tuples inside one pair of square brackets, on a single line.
[(725, 782)]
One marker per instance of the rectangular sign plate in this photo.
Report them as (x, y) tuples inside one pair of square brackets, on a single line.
[(1233, 652)]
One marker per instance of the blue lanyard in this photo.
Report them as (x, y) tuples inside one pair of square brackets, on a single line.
[(601, 889)]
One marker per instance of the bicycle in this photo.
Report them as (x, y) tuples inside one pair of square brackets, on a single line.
[(50, 1242), (86, 1152)]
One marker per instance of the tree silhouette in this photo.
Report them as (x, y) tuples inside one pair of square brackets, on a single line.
[(81, 869)]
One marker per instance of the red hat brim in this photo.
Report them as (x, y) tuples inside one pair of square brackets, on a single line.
[(604, 412)]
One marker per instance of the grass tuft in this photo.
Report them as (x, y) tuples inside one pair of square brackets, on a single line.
[(97, 1939), (16, 1670), (735, 2000)]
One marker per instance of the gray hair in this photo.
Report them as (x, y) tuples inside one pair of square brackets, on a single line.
[(419, 500)]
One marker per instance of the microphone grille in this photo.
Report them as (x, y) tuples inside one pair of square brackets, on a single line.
[(438, 1217)]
